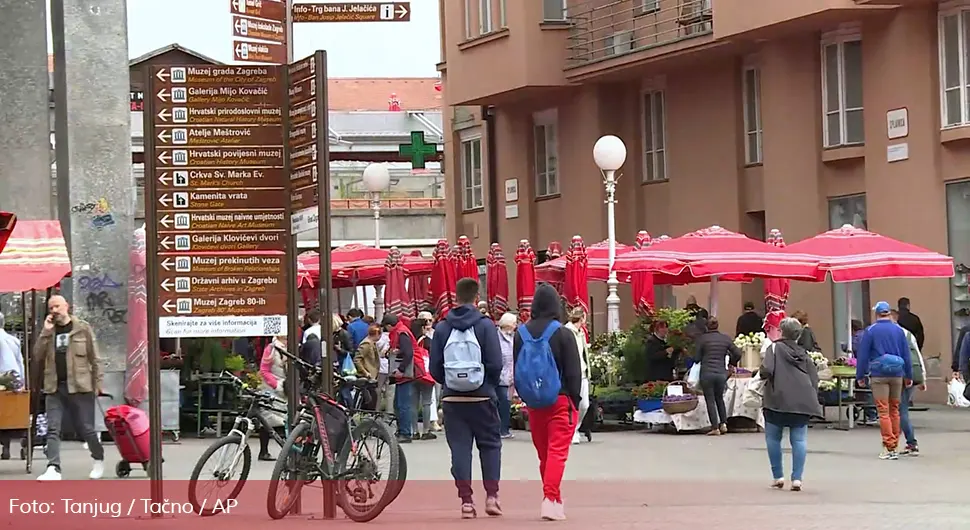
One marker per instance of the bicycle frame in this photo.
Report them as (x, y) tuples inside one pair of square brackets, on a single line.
[(244, 425)]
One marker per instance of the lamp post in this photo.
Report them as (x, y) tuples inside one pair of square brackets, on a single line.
[(376, 179), (609, 153)]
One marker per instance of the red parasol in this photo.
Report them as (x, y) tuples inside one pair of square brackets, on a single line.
[(576, 286), (395, 292), (353, 265), (418, 290), (642, 282), (554, 252), (136, 364), (525, 278), (718, 252), (467, 265), (776, 289), (497, 280), (8, 222), (442, 279), (35, 257), (852, 254), (598, 265)]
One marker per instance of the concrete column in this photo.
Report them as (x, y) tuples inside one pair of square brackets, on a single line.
[(900, 70), (94, 167), (794, 200), (25, 164)]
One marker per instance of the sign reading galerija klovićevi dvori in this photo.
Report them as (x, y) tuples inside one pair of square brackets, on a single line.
[(218, 212)]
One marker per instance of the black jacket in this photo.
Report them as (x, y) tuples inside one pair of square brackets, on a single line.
[(749, 322), (955, 361), (461, 318), (711, 349), (660, 367), (545, 309), (911, 322)]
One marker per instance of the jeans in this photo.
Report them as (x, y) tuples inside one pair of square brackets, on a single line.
[(421, 399), (80, 406), (798, 438), (887, 391), (504, 409), (714, 388), (904, 424), (402, 405), (478, 422)]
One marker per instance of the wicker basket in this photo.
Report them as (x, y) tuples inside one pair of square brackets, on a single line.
[(683, 406)]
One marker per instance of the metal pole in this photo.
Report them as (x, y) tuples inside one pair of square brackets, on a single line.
[(612, 298), (375, 204)]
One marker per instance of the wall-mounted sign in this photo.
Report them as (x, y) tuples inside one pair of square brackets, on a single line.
[(897, 123), (511, 211), (897, 152), (511, 190)]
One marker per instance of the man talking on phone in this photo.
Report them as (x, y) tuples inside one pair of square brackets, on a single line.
[(67, 355)]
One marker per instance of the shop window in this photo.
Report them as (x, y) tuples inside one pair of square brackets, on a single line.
[(958, 235), (848, 211)]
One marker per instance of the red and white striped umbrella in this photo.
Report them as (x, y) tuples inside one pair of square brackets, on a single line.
[(776, 289)]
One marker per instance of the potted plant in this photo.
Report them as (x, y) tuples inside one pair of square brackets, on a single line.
[(650, 395), (235, 364), (843, 367)]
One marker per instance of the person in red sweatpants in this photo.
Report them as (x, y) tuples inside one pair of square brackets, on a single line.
[(553, 426)]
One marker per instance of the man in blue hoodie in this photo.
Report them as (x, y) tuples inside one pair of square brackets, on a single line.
[(471, 414), (357, 327), (884, 357)]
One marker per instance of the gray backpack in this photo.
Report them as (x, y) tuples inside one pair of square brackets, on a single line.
[(464, 371)]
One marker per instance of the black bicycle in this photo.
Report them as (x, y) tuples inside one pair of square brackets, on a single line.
[(231, 454), (329, 444)]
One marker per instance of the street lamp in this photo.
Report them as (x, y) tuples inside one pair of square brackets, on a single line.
[(609, 153), (376, 179)]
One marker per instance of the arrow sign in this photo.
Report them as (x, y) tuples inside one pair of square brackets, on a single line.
[(402, 11), (168, 306), (162, 75), (165, 242), (164, 200), (167, 262), (167, 285), (163, 115), (165, 221), (163, 95), (163, 136), (241, 51), (164, 157), (240, 26), (240, 5), (164, 178)]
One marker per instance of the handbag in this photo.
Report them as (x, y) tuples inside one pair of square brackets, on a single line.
[(754, 393)]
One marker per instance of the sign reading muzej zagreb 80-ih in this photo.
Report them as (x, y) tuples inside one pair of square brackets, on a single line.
[(219, 201)]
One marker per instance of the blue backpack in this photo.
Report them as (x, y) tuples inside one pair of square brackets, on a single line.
[(536, 372)]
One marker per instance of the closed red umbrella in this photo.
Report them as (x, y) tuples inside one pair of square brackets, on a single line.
[(467, 265), (554, 252), (136, 365), (575, 285), (442, 286), (776, 289), (852, 254), (497, 280), (395, 292), (525, 278), (641, 282), (598, 264), (418, 288), (718, 252)]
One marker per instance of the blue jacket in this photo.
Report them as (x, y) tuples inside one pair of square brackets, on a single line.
[(358, 332), (884, 337), (462, 318)]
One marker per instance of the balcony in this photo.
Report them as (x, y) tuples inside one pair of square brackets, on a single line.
[(602, 30), (773, 18)]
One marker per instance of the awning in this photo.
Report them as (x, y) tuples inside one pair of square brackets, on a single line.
[(35, 257)]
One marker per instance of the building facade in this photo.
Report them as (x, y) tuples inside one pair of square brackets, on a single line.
[(749, 114)]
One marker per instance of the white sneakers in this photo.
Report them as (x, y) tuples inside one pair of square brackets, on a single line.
[(552, 511), (51, 474), (576, 439), (97, 471)]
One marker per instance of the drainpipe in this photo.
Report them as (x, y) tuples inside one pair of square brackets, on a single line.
[(488, 112)]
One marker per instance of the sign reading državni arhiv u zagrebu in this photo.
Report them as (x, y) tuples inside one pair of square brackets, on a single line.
[(218, 219)]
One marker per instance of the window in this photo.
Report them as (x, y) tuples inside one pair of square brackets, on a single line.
[(848, 211), (471, 173), (484, 16), (842, 91), (954, 53), (501, 14), (654, 136), (752, 115), (468, 20), (649, 6), (554, 10), (545, 134)]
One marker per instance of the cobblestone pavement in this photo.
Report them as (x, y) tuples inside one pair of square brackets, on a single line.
[(650, 480)]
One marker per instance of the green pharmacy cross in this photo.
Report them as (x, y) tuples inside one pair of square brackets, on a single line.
[(418, 151)]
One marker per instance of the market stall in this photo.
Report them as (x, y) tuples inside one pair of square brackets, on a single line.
[(696, 420)]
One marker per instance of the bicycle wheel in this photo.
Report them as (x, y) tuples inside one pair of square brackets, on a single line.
[(291, 469), (224, 450), (402, 475), (372, 440)]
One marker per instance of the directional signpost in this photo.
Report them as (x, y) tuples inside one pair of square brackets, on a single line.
[(353, 12), (263, 21), (308, 141)]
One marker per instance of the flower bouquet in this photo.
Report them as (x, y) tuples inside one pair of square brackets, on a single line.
[(649, 395), (828, 392), (520, 415), (750, 346)]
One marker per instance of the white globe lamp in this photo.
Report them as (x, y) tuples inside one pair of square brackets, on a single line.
[(609, 153), (376, 178)]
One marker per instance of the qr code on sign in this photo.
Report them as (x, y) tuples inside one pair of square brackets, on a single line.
[(272, 326)]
